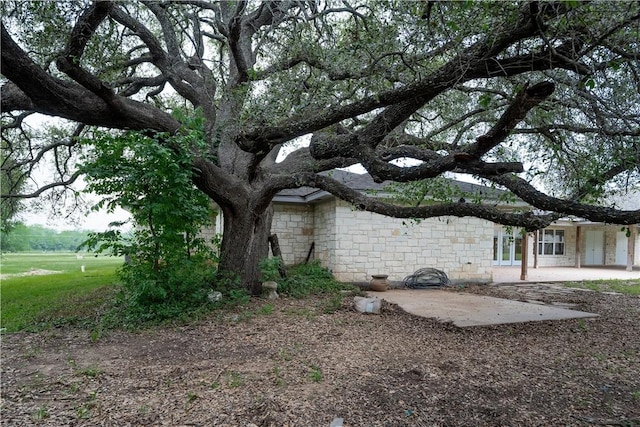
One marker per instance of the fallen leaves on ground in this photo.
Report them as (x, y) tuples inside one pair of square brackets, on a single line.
[(296, 365)]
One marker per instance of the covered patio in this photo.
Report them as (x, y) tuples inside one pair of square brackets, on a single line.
[(563, 274)]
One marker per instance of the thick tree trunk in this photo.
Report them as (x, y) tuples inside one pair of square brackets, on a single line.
[(245, 243)]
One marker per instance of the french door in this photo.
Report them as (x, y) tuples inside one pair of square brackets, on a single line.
[(507, 247)]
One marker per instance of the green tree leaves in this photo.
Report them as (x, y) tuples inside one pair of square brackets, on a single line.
[(151, 176), (170, 271)]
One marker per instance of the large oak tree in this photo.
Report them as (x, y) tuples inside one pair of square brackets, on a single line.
[(530, 96)]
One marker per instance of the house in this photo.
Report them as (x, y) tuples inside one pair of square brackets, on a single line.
[(357, 244), (313, 224)]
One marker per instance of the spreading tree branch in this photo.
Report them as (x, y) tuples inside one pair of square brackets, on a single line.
[(34, 89), (360, 201), (44, 188), (524, 190)]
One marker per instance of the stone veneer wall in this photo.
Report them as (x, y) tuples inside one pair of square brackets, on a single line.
[(294, 225), (610, 235), (636, 260), (356, 244), (369, 243), (209, 234), (325, 233)]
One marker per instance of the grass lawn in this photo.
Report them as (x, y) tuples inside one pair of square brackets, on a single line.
[(12, 263), (33, 302), (629, 287), (69, 295)]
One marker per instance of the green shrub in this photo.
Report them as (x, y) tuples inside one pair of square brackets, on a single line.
[(175, 290), (270, 269), (310, 279)]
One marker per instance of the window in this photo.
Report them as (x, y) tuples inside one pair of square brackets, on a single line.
[(551, 242)]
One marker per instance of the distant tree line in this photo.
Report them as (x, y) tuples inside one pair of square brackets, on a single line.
[(25, 238)]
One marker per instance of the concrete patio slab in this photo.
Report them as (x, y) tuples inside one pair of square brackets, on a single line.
[(464, 309)]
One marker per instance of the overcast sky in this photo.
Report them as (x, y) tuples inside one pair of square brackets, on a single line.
[(95, 221)]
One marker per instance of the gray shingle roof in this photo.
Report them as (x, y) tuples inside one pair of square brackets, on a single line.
[(364, 182)]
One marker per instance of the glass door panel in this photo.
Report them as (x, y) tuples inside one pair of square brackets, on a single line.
[(517, 256), (506, 248)]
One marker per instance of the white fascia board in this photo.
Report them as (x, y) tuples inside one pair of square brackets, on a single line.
[(290, 199), (309, 198)]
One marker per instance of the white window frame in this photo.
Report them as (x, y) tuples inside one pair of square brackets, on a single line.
[(551, 242)]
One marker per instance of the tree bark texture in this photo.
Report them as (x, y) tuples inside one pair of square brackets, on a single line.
[(245, 243)]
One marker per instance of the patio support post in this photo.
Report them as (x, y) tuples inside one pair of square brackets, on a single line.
[(578, 246), (535, 248), (631, 245), (525, 257)]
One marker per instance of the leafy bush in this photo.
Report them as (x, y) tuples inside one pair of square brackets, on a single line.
[(270, 269), (310, 279), (178, 290), (175, 290), (171, 268)]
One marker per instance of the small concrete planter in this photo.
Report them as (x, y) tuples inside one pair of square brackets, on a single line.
[(270, 289), (214, 296), (378, 283)]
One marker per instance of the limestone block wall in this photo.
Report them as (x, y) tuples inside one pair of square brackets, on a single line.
[(356, 244), (636, 251), (369, 243), (214, 232), (294, 225), (325, 233), (208, 234), (610, 235)]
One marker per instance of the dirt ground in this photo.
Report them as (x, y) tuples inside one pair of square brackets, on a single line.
[(289, 363)]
